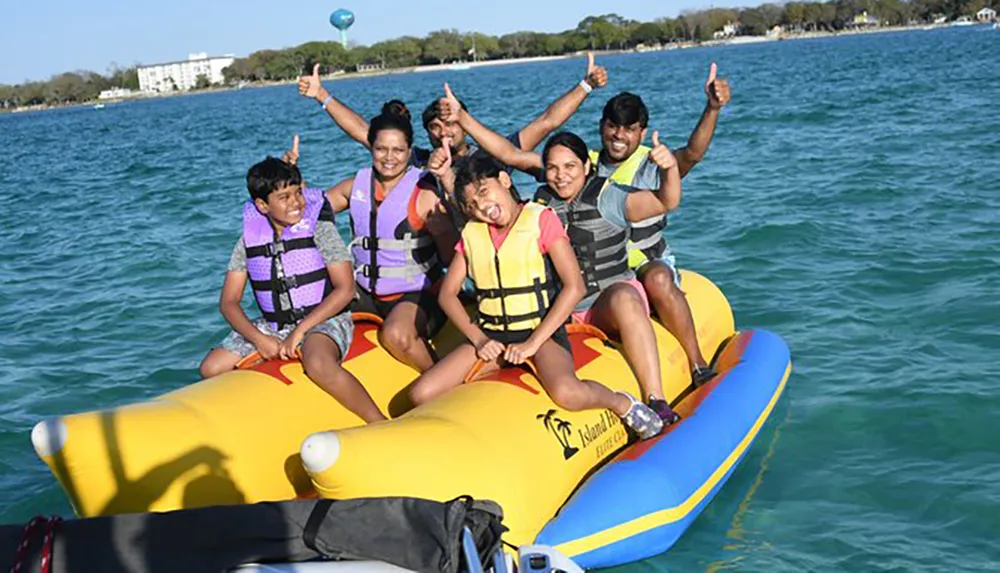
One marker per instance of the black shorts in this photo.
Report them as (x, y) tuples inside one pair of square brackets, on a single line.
[(425, 300), (560, 337)]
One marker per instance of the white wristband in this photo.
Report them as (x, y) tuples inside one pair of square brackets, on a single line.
[(586, 87)]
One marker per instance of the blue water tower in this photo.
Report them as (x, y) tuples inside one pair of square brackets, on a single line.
[(342, 19)]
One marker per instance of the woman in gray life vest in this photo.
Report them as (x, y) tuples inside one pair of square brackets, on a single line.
[(597, 213), (403, 239)]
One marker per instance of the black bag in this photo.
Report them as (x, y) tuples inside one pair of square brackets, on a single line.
[(416, 534)]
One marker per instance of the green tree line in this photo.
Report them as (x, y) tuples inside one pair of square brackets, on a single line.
[(605, 32), (69, 87)]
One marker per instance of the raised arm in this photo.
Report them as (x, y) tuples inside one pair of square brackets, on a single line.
[(347, 119), (439, 164), (564, 107), (717, 91), (340, 195), (642, 205), (437, 221), (490, 141)]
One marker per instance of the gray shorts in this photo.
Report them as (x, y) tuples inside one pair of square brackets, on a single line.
[(339, 328), (668, 259)]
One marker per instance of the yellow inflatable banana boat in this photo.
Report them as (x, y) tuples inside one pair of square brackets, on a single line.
[(501, 437), (236, 438), (230, 439)]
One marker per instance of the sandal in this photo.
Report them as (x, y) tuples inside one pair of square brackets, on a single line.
[(701, 376)]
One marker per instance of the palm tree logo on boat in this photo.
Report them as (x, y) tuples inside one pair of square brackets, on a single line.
[(561, 429)]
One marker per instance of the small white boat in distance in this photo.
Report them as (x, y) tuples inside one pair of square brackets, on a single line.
[(99, 106)]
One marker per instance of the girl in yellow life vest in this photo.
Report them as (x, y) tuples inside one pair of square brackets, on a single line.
[(597, 214), (527, 282)]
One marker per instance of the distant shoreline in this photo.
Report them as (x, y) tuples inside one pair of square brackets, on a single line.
[(735, 41)]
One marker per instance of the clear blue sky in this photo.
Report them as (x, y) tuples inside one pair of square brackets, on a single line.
[(42, 38)]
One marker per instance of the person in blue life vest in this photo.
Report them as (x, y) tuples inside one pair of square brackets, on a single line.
[(302, 280), (403, 239), (527, 138), (527, 283), (597, 213)]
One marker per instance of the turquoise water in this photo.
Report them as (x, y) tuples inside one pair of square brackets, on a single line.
[(849, 203)]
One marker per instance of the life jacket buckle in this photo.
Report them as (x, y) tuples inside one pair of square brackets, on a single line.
[(275, 248), (290, 282)]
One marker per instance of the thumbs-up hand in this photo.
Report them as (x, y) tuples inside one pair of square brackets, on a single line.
[(448, 106), (439, 162), (309, 86), (596, 76), (291, 156), (661, 155), (717, 89)]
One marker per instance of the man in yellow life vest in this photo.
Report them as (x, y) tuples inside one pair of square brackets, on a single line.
[(624, 159)]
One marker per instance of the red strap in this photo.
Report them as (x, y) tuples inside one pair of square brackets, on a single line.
[(22, 548), (50, 537)]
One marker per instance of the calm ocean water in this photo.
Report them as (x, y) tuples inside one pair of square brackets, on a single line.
[(849, 202)]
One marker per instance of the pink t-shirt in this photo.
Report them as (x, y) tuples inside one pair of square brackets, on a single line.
[(551, 230)]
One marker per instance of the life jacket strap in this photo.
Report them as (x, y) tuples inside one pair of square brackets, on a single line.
[(284, 318), (592, 278), (406, 271), (287, 283), (583, 248), (501, 320), (646, 242), (580, 216), (271, 250), (405, 244), (531, 289)]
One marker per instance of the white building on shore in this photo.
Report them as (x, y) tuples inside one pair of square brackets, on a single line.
[(182, 75), (730, 30), (115, 93)]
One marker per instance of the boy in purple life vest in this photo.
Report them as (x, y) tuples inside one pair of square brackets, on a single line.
[(302, 279)]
